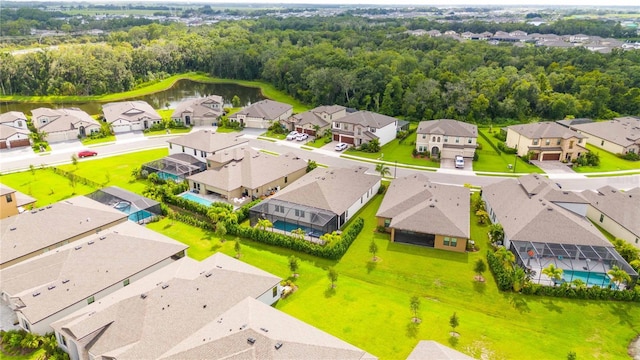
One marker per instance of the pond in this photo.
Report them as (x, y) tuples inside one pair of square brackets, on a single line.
[(181, 90)]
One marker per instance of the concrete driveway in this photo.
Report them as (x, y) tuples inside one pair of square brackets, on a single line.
[(553, 167), (450, 164), (131, 136)]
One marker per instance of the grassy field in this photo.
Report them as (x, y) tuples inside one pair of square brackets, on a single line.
[(89, 141), (44, 185), (396, 151), (490, 161), (608, 162), (272, 135)]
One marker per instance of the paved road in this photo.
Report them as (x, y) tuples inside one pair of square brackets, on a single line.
[(17, 161)]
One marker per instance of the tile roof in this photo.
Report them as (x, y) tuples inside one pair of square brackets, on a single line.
[(524, 209), (198, 107), (12, 116), (368, 119), (448, 127), (429, 349), (209, 141), (333, 189), (264, 109), (251, 170), (621, 207), (548, 129), (38, 229), (129, 111), (86, 267), (8, 131), (413, 203), (63, 119), (623, 131)]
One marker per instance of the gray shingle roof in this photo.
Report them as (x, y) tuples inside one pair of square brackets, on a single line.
[(8, 131), (199, 107), (623, 131), (264, 109), (21, 199), (333, 189), (429, 349), (413, 203), (209, 141), (63, 119), (368, 119), (545, 130), (448, 127), (97, 265), (527, 216), (129, 110), (12, 116), (622, 207)]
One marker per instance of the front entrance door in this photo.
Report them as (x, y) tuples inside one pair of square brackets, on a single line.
[(435, 151), (146, 124), (187, 120), (83, 132)]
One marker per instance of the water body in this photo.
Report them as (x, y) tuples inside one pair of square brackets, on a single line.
[(168, 99)]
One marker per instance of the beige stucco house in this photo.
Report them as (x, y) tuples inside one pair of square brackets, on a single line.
[(262, 114), (361, 127), (618, 136), (447, 138), (546, 141), (64, 124), (12, 201), (128, 116), (616, 211), (204, 111)]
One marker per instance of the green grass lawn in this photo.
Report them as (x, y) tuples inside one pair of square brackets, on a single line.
[(89, 141), (272, 135), (396, 151), (608, 162), (38, 354), (164, 131), (370, 305), (490, 161), (226, 130), (317, 143)]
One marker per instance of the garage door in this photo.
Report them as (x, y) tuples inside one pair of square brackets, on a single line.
[(551, 157), (121, 128), (409, 237), (346, 139), (310, 132), (20, 143), (336, 137), (3, 144)]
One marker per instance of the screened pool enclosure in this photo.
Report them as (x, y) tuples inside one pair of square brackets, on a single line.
[(288, 216), (176, 167), (139, 208)]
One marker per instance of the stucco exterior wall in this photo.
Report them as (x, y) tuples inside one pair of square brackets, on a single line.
[(461, 244), (362, 201), (603, 144), (8, 205), (612, 226)]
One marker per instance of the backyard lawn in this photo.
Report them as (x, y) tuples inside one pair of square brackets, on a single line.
[(44, 185), (396, 151), (490, 161), (608, 162)]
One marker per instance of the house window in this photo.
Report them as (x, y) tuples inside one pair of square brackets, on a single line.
[(602, 143), (454, 242), (279, 208), (195, 152), (274, 291), (346, 126), (558, 142), (336, 125), (601, 217), (286, 179), (170, 146), (535, 141), (19, 123), (469, 141), (125, 282), (203, 154), (299, 213), (63, 340), (446, 139), (387, 222), (636, 240), (457, 140), (579, 141), (372, 129), (548, 142), (359, 131), (432, 139), (9, 198), (446, 241), (571, 144), (183, 149), (25, 325), (91, 300), (438, 138)]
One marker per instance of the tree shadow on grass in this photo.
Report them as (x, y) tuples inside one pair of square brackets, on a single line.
[(412, 329), (479, 287), (551, 306), (428, 252), (371, 265), (216, 246), (331, 291), (621, 310), (518, 302)]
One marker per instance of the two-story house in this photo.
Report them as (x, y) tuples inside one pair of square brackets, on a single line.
[(130, 115), (546, 141), (363, 126), (262, 114), (204, 111), (203, 143), (14, 119), (319, 118), (64, 124), (13, 130), (12, 201), (447, 138)]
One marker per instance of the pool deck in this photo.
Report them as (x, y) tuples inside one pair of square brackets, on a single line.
[(538, 265), (218, 198)]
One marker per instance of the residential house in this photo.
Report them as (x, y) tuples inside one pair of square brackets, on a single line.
[(243, 173), (48, 287), (618, 136), (14, 119), (618, 212), (568, 123), (128, 116), (203, 143), (204, 111), (545, 225), (434, 33), (447, 138), (363, 126), (12, 201), (318, 119), (546, 141), (11, 138), (417, 211), (262, 114), (40, 230), (217, 308), (430, 349), (64, 124), (320, 202)]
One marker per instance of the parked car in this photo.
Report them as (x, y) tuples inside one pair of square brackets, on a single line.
[(341, 146), (87, 153), (292, 135), (302, 137), (459, 162)]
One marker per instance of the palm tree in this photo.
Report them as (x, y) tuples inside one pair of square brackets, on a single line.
[(553, 272), (383, 170), (263, 224), (506, 257), (519, 278), (579, 284), (618, 276), (298, 233)]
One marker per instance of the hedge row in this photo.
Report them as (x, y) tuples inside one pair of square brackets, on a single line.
[(490, 142), (590, 293), (76, 179), (191, 220), (194, 206), (243, 211), (503, 277)]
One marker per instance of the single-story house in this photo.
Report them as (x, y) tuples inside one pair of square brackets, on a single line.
[(619, 136), (204, 111), (216, 308), (363, 126), (262, 114), (57, 283), (618, 212), (11, 138), (568, 123), (246, 173), (417, 211), (322, 116), (38, 231), (12, 201), (14, 119), (128, 116), (203, 143), (546, 141), (545, 225), (447, 138), (321, 201), (64, 124)]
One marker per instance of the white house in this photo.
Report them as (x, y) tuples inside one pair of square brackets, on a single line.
[(11, 138), (204, 143), (363, 126), (204, 111), (64, 124), (14, 119), (130, 116)]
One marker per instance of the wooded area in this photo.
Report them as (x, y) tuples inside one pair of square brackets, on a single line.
[(349, 61)]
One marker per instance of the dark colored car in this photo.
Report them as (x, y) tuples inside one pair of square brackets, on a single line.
[(87, 153)]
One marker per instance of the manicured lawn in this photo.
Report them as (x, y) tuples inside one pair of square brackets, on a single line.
[(370, 305), (272, 135), (490, 161), (396, 151), (226, 130), (317, 143), (89, 141), (32, 356), (608, 162), (164, 131)]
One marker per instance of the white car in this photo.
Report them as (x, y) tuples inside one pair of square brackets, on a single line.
[(302, 137), (292, 135), (459, 162), (341, 146)]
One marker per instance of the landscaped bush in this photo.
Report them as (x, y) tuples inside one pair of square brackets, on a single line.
[(502, 275), (382, 189), (243, 211), (588, 159), (500, 136), (589, 293), (505, 149), (631, 156)]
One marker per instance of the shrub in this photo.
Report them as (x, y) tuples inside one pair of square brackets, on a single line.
[(500, 136), (505, 149), (382, 189), (631, 156), (502, 275), (475, 156), (479, 146)]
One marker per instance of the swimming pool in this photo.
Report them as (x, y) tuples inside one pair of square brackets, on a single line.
[(195, 198), (166, 176), (286, 226), (589, 278), (135, 214)]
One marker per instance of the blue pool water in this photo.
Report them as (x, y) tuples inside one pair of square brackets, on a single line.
[(135, 214), (285, 226), (166, 176), (590, 279), (195, 198)]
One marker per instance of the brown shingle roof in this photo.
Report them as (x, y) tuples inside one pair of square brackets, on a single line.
[(368, 119), (64, 119), (545, 130)]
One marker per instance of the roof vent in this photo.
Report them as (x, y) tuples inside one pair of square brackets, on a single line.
[(65, 281), (264, 329), (78, 247), (278, 346), (51, 287), (251, 340), (164, 286), (12, 228), (208, 274), (49, 206), (102, 237), (143, 296), (432, 205), (36, 294), (219, 267), (549, 208), (41, 209), (90, 242), (34, 212)]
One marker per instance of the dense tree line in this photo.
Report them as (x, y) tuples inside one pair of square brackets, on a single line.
[(348, 61)]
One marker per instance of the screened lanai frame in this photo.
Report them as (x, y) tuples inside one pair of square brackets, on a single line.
[(315, 221), (171, 168), (140, 209), (589, 259)]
